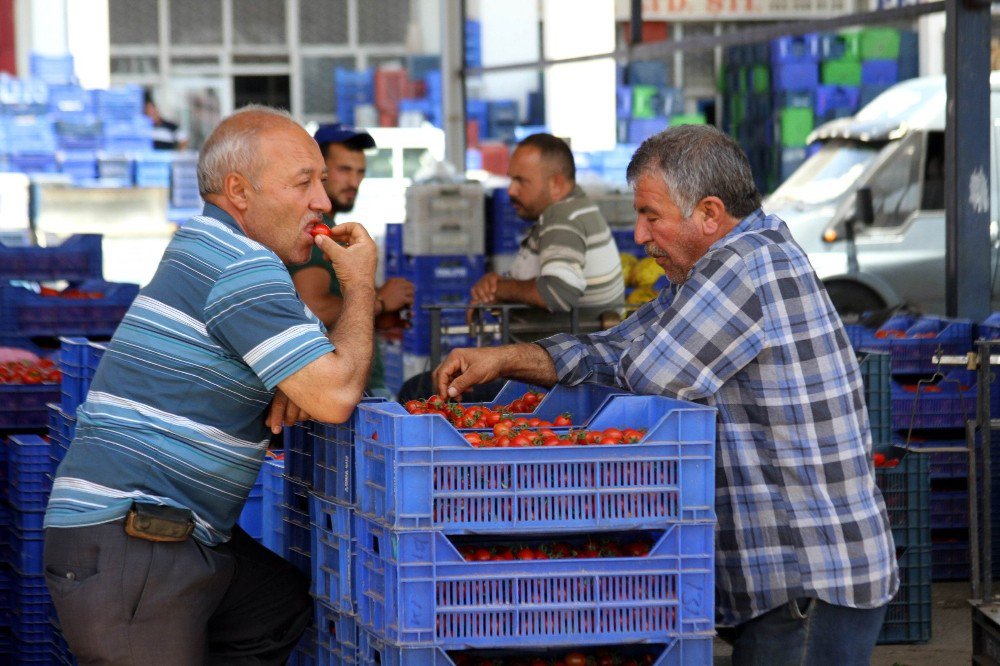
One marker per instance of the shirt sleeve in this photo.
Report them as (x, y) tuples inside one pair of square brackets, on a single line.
[(595, 357), (562, 251), (254, 312), (714, 328)]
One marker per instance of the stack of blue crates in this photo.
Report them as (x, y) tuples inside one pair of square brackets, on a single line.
[(504, 229), (645, 100), (350, 89), (426, 499), (473, 43), (929, 407), (184, 182), (777, 93)]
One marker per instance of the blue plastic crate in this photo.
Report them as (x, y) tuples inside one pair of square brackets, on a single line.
[(795, 50), (946, 404), (906, 491), (272, 498), (296, 530), (336, 637), (78, 361), (908, 616), (24, 553), (835, 45), (32, 163), (251, 517), (450, 484), (640, 129), (879, 72), (120, 102), (57, 69), (688, 651), (949, 509), (625, 240), (62, 427), (25, 313), (795, 76), (332, 551), (869, 92), (913, 341), (23, 406), (950, 560), (414, 587), (332, 445), (836, 101), (875, 373), (459, 271), (795, 99), (909, 55), (299, 455)]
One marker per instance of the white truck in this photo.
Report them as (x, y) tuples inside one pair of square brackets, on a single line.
[(894, 147)]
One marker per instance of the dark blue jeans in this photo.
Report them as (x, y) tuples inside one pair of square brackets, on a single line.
[(808, 632)]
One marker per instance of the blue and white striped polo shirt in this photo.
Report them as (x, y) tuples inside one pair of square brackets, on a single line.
[(175, 414)]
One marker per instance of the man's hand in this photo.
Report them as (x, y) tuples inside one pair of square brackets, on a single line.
[(283, 412), (354, 264), (485, 289), (465, 368), (396, 294)]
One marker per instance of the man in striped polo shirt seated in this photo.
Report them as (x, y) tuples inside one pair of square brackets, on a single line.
[(569, 258), (143, 557)]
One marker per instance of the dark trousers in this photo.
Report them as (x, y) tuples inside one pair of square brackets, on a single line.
[(123, 600), (806, 632)]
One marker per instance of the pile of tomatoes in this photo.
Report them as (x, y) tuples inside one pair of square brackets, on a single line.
[(482, 416), (511, 434), (557, 550), (42, 371), (601, 657), (881, 460), (71, 292)]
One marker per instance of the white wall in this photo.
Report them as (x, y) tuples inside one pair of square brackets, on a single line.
[(509, 35)]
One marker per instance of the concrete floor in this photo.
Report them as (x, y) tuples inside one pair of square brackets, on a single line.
[(951, 634)]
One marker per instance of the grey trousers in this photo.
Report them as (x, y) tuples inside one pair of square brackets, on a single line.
[(126, 601)]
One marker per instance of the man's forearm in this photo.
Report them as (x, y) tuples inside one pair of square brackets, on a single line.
[(530, 363), (353, 335), (510, 290)]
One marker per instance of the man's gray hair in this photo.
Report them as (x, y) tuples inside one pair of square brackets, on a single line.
[(697, 161), (233, 147)]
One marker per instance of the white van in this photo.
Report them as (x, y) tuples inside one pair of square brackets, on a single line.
[(894, 146)]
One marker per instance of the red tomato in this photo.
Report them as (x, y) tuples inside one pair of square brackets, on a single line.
[(501, 430), (879, 459), (892, 462), (563, 419), (631, 435), (526, 554), (575, 659), (474, 438), (520, 440), (482, 555), (320, 230), (413, 405)]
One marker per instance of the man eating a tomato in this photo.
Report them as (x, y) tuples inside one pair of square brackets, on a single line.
[(143, 557), (805, 561), (343, 148)]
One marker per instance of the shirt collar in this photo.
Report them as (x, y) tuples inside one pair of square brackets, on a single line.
[(751, 222), (216, 213)]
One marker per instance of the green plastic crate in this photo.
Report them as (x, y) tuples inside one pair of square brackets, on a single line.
[(687, 119), (878, 44), (794, 126), (760, 79), (644, 101), (841, 72)]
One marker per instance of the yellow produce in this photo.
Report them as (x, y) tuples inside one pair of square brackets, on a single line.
[(641, 295), (645, 273), (628, 263)]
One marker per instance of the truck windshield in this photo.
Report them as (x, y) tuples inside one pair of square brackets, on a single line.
[(826, 175)]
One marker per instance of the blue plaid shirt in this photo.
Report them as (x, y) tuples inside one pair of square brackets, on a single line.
[(753, 333)]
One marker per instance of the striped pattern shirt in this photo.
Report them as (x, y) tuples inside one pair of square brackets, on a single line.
[(753, 333), (573, 256), (175, 413)]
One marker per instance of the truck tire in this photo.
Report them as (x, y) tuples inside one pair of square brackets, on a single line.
[(852, 300)]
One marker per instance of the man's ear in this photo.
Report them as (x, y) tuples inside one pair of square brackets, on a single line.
[(561, 186), (235, 188), (713, 215)]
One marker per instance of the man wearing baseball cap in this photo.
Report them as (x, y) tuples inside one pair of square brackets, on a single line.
[(343, 149)]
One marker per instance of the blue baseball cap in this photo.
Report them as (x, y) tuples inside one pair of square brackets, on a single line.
[(341, 133)]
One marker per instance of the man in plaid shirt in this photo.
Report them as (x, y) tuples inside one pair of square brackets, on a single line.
[(805, 562)]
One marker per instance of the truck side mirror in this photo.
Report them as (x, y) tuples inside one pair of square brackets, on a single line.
[(864, 211)]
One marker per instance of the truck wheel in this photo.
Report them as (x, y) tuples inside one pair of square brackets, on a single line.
[(853, 300)]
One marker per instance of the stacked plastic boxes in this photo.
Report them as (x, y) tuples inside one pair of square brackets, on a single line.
[(645, 101), (351, 89), (439, 249), (418, 596), (929, 406)]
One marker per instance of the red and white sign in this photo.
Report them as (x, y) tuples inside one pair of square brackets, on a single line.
[(733, 10)]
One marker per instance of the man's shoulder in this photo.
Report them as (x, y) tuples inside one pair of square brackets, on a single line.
[(577, 205)]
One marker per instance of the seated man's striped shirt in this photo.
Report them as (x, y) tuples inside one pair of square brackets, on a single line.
[(572, 254), (175, 414)]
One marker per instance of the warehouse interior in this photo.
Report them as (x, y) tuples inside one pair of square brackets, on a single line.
[(862, 123)]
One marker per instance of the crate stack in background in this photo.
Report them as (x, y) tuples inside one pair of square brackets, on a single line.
[(440, 249), (775, 94), (929, 407), (646, 103), (443, 530)]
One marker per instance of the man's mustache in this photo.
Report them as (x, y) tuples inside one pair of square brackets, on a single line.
[(653, 251)]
